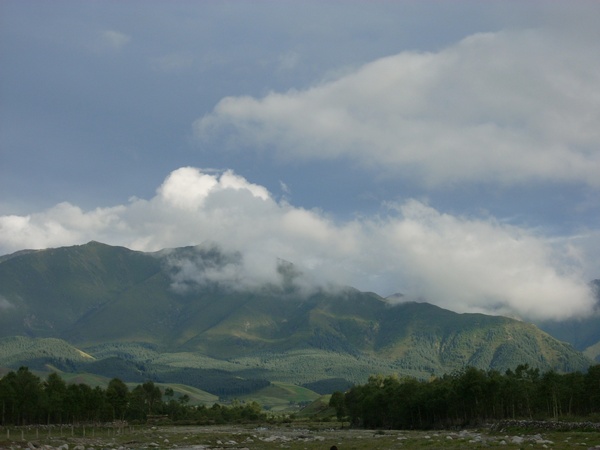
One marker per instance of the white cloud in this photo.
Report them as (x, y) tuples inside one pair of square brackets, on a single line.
[(289, 61), (63, 224), (114, 39), (462, 263), (505, 107), (173, 62), (473, 264), (5, 304)]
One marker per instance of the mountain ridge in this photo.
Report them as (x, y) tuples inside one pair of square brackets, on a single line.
[(97, 296)]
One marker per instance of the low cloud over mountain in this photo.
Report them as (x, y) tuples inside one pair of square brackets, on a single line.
[(461, 263)]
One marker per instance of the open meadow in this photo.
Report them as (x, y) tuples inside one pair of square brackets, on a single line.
[(295, 436)]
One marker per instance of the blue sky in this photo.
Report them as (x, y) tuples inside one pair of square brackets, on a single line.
[(446, 150)]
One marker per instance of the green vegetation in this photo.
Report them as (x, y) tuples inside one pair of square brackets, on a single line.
[(116, 313), (282, 397), (470, 397), (54, 412), (26, 399)]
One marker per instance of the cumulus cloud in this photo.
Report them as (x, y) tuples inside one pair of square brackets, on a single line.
[(507, 107), (63, 224), (461, 263)]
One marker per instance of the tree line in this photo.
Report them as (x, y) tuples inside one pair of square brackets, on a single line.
[(469, 397), (26, 399)]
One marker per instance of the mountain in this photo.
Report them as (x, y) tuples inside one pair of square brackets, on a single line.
[(117, 312)]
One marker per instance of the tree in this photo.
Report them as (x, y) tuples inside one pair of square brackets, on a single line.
[(338, 402), (592, 387), (55, 393), (471, 388), (117, 395), (28, 392), (8, 398), (97, 404), (137, 404), (551, 389), (152, 396)]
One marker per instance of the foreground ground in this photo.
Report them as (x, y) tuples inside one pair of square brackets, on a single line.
[(294, 436)]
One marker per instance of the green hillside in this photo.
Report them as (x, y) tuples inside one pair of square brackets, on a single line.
[(114, 312), (16, 350)]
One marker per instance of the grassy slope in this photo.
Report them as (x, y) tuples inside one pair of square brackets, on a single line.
[(16, 350), (278, 396), (49, 291)]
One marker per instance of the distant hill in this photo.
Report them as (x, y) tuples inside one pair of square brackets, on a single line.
[(118, 311)]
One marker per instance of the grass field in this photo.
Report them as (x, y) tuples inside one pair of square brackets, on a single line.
[(281, 396), (294, 436)]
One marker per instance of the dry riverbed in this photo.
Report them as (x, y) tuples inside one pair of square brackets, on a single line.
[(294, 436)]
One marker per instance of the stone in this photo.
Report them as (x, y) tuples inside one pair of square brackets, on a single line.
[(517, 440)]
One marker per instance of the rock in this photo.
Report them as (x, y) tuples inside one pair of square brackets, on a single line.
[(275, 438)]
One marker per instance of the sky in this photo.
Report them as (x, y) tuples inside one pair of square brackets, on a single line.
[(445, 150)]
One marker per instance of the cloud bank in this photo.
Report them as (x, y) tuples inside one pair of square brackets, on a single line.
[(508, 107), (461, 263)]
